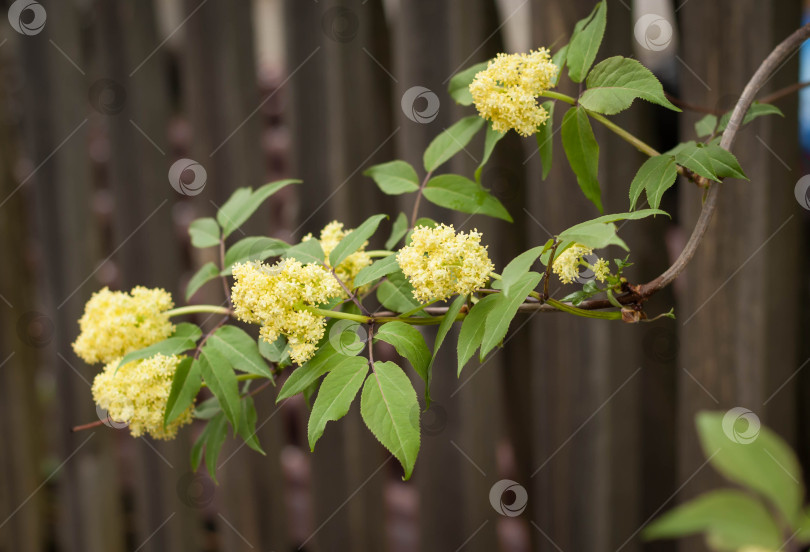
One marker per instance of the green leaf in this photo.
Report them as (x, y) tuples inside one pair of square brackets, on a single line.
[(244, 202), (409, 342), (729, 518), (204, 232), (519, 266), (585, 42), (559, 60), (601, 231), (377, 270), (387, 405), (451, 141), (187, 330), (398, 230), (491, 138), (706, 126), (455, 192), (169, 346), (186, 384), (213, 445), (275, 351), (656, 176), (760, 461), (724, 163), (221, 380), (695, 157), (446, 323), (247, 427), (207, 409), (355, 239), (241, 350), (545, 142), (306, 252), (214, 427), (253, 248), (394, 177), (615, 82), (207, 272), (335, 396), (325, 360), (472, 329), (459, 87), (582, 152), (756, 110), (396, 293), (505, 309)]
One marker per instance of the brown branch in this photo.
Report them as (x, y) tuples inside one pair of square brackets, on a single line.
[(419, 199), (692, 107)]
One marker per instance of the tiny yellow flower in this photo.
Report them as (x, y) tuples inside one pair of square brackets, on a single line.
[(567, 264), (601, 270), (440, 263), (331, 235), (137, 394), (506, 91), (273, 296), (115, 323)]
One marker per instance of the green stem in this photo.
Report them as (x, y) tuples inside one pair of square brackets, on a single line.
[(241, 377), (623, 134), (417, 309), (584, 313), (191, 309), (379, 253), (337, 314)]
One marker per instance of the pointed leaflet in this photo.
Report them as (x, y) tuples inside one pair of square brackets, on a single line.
[(459, 87), (656, 176), (455, 192), (244, 202), (394, 177), (186, 384), (614, 83), (204, 232), (398, 230), (447, 323), (409, 342), (355, 239), (325, 360), (756, 110), (396, 293), (695, 157), (505, 309), (306, 252), (221, 380), (729, 518), (451, 141), (472, 329), (545, 142), (585, 42), (335, 396), (169, 346), (519, 266), (599, 232), (706, 125), (254, 248), (492, 137), (765, 464), (275, 351), (210, 441), (206, 273), (380, 268), (247, 425), (582, 152), (724, 163), (241, 350), (387, 406)]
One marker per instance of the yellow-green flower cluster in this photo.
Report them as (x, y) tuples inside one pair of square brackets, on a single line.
[(331, 235), (568, 263), (506, 91), (440, 263), (275, 297), (116, 322), (137, 394)]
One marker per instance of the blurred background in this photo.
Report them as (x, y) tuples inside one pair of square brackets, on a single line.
[(593, 419)]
